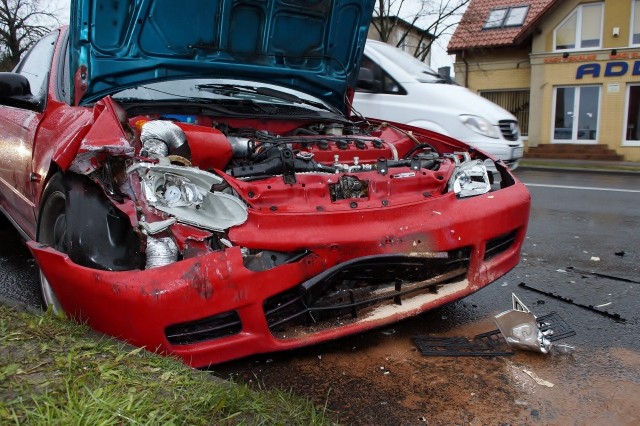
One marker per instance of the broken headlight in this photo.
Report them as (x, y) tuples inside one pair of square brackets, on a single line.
[(470, 178), (185, 193)]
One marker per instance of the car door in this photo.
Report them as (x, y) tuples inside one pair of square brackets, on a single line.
[(19, 125)]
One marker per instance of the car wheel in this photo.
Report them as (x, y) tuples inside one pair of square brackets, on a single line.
[(52, 231)]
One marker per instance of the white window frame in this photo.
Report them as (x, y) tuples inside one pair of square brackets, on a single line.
[(634, 10), (505, 23), (578, 11), (626, 142), (576, 102), (502, 23), (496, 23)]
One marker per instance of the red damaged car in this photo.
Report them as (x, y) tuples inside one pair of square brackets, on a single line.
[(191, 178)]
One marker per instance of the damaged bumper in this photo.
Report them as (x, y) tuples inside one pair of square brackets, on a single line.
[(356, 271)]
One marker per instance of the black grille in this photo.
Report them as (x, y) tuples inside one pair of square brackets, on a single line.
[(214, 327), (499, 245), (342, 292), (509, 129)]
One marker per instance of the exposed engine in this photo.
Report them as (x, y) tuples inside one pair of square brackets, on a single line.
[(190, 183)]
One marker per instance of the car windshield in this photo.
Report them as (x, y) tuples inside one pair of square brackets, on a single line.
[(421, 71), (222, 92)]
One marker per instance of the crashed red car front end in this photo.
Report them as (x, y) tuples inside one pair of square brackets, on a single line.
[(317, 256), (210, 218)]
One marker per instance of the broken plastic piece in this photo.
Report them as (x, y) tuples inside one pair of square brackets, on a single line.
[(564, 349), (537, 379), (486, 344), (517, 304)]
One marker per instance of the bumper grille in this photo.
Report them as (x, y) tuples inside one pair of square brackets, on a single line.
[(499, 244), (344, 291), (214, 327), (510, 130)]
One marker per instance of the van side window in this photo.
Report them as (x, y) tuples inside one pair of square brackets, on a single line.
[(387, 84)]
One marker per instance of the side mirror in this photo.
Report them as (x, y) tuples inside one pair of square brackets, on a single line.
[(13, 85), (366, 81), (15, 91)]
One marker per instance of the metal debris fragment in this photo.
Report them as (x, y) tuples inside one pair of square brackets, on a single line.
[(521, 331)]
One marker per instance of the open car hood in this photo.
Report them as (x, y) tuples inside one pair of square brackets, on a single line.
[(311, 45)]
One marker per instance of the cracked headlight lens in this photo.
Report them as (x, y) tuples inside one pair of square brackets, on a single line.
[(470, 178), (185, 194), (480, 125)]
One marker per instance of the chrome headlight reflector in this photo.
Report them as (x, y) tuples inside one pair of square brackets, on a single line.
[(184, 193), (470, 178)]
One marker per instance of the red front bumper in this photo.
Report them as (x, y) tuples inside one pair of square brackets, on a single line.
[(139, 306)]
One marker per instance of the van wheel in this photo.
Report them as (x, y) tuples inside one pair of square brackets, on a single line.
[(52, 231)]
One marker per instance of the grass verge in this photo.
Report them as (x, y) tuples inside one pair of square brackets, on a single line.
[(53, 371)]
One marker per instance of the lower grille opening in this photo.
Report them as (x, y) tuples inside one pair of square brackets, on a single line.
[(214, 327), (347, 291), (499, 244)]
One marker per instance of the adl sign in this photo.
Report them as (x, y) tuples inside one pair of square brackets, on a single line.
[(612, 69)]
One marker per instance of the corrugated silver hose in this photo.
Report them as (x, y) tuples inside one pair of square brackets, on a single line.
[(161, 251), (160, 137)]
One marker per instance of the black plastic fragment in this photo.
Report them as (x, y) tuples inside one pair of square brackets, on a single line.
[(592, 308), (486, 344)]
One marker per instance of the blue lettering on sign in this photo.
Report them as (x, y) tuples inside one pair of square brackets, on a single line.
[(612, 69), (593, 69), (616, 69)]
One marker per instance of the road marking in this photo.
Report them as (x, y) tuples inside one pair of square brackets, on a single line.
[(588, 188)]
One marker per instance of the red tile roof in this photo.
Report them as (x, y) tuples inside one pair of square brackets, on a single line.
[(469, 33)]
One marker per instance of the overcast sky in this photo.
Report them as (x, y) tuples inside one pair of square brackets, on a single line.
[(439, 57)]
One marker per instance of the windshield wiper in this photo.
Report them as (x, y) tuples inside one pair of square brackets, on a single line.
[(439, 78), (232, 89)]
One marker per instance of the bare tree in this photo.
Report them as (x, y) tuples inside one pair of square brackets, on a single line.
[(22, 23), (426, 20)]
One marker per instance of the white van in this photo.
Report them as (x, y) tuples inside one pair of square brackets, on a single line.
[(395, 86)]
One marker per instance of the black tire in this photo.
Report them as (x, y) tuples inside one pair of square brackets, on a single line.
[(52, 231)]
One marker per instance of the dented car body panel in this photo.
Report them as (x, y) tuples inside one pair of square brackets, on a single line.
[(252, 218)]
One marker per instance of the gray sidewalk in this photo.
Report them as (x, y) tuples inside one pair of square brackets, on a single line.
[(581, 165)]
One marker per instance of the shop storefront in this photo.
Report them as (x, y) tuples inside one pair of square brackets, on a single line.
[(582, 70)]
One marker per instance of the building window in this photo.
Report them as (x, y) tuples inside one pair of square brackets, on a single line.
[(514, 101), (506, 17), (635, 23), (582, 29), (632, 122), (576, 112)]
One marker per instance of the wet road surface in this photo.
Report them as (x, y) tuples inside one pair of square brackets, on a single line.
[(582, 248), (581, 224)]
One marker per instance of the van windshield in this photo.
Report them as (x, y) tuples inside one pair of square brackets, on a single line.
[(421, 71)]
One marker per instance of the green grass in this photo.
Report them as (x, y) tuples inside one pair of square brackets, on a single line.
[(54, 372)]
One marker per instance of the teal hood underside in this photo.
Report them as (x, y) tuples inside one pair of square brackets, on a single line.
[(313, 46)]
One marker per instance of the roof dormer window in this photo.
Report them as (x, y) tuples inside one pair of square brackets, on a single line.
[(506, 17)]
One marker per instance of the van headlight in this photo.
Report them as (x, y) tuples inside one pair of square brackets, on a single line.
[(480, 125), (470, 178)]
